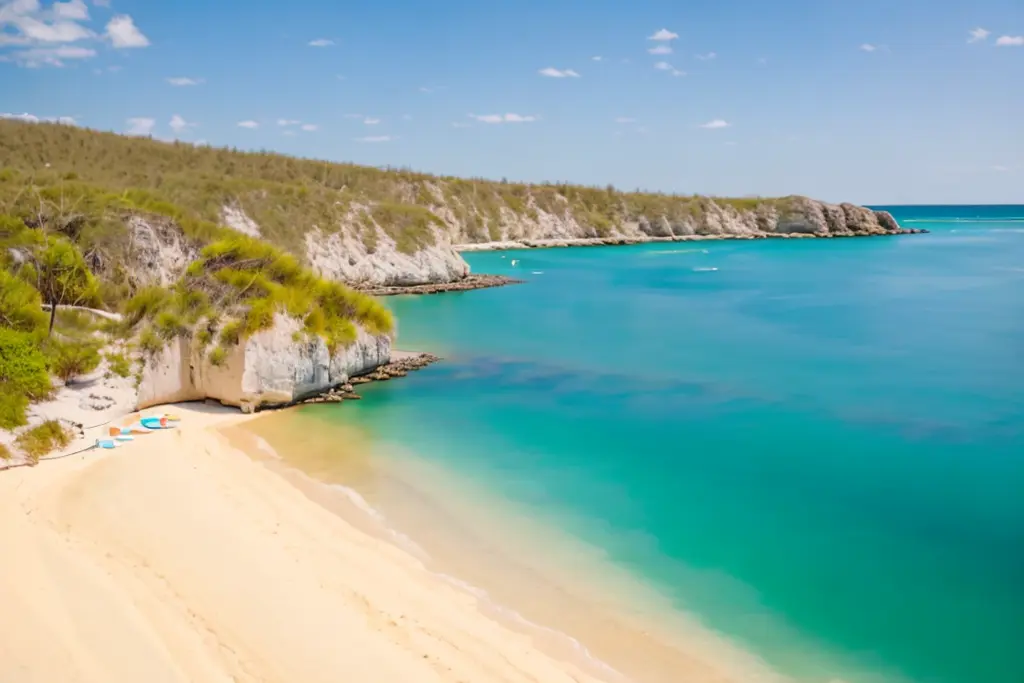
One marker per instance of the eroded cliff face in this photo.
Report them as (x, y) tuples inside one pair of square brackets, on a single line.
[(274, 367), (362, 253), (342, 256)]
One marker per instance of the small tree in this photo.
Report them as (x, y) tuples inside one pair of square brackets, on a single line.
[(61, 275)]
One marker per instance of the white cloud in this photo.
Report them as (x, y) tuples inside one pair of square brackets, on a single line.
[(182, 81), (1001, 168), (288, 122), (140, 126), (762, 60), (178, 124), (665, 66), (731, 143), (663, 34), (123, 33), (340, 77), (660, 50), (625, 119), (868, 47), (321, 42), (26, 117), (51, 56), (32, 118), (371, 121), (375, 138), (407, 117), (503, 118), (707, 57), (73, 9), (715, 124), (978, 34), (597, 58), (248, 124), (354, 116), (101, 3), (552, 72), (310, 127), (1010, 41), (460, 124), (289, 132), (35, 30)]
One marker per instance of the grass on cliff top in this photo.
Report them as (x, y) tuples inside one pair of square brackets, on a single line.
[(287, 196), (236, 288)]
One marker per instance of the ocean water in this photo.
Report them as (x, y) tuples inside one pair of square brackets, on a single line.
[(815, 447)]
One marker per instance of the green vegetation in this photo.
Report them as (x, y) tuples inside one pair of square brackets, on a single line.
[(235, 289), (21, 307), (43, 439), (5, 452), (24, 376), (118, 364), (69, 361)]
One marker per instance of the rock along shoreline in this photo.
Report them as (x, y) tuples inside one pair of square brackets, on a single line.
[(622, 241), (397, 367), (467, 283)]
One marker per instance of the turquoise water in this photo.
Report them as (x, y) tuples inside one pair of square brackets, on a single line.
[(817, 446)]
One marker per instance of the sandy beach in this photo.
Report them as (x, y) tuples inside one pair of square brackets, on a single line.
[(178, 558)]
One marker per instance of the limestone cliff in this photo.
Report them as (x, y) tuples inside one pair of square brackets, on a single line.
[(274, 367)]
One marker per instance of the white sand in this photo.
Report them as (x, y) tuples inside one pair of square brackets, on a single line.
[(176, 558)]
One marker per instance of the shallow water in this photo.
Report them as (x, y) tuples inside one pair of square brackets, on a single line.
[(816, 447)]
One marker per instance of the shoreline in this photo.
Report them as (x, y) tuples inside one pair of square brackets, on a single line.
[(624, 240), (575, 606), (185, 560), (467, 283)]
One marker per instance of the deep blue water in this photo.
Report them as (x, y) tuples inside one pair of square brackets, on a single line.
[(815, 445)]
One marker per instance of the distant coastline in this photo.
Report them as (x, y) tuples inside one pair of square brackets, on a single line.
[(621, 241)]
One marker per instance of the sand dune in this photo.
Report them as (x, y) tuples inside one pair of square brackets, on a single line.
[(177, 558)]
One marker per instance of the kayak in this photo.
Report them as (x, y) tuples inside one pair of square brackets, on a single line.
[(105, 443)]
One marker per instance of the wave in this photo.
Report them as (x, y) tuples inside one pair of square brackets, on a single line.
[(401, 540), (704, 270), (409, 545), (513, 615), (677, 251), (262, 445)]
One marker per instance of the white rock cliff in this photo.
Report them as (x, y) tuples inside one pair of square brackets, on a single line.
[(270, 368)]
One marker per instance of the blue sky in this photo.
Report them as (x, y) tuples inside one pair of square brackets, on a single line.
[(868, 101)]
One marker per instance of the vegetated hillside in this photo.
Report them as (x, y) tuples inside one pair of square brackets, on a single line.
[(359, 224)]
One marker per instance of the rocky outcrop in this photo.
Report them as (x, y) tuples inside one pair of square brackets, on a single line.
[(274, 367), (158, 251), (342, 256)]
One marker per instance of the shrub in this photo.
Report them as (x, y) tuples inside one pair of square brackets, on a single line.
[(5, 452), (23, 376), (118, 364), (21, 306), (218, 356), (43, 439), (231, 333), (12, 409), (146, 303), (150, 342), (71, 360)]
